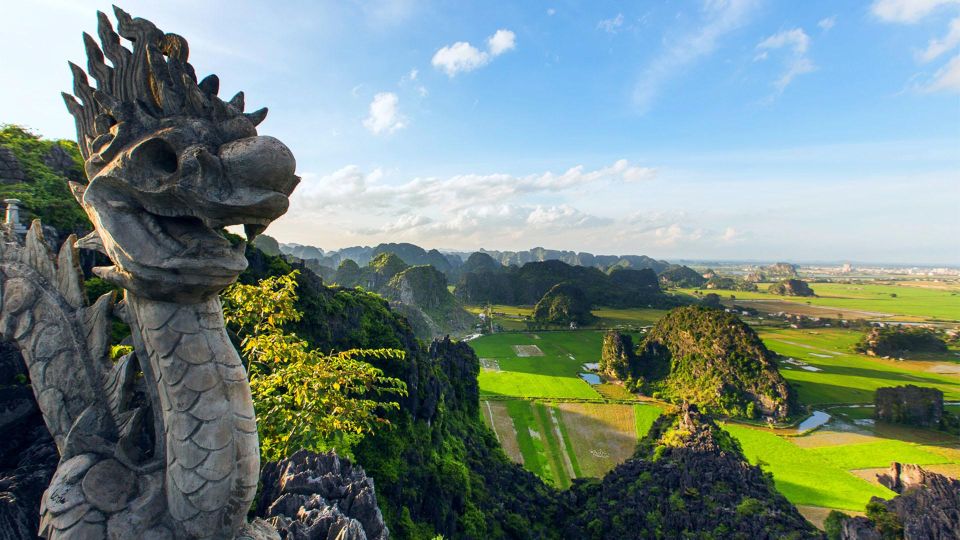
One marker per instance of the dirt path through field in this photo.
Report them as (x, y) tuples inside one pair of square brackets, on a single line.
[(567, 464), (503, 428)]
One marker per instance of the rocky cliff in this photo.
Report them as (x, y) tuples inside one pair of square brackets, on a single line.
[(927, 508), (311, 496), (688, 479), (791, 287), (711, 358), (909, 404)]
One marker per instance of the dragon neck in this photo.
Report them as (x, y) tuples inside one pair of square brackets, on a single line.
[(205, 417)]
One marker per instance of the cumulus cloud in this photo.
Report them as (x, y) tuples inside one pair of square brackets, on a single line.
[(719, 18), (462, 57), (501, 41), (384, 116), (796, 41), (349, 187), (906, 11), (611, 25)]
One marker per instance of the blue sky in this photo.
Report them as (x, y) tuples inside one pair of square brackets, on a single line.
[(717, 129)]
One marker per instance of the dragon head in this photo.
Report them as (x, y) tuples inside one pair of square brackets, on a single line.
[(169, 165)]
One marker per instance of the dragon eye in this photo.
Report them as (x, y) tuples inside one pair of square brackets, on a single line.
[(156, 154)]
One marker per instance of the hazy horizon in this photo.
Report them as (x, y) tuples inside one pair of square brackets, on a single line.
[(711, 130)]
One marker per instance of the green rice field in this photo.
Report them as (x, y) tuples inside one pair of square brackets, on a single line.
[(562, 428), (863, 299)]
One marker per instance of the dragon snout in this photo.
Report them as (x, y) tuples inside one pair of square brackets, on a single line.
[(260, 162)]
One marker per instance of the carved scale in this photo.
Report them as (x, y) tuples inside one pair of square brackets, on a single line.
[(161, 444)]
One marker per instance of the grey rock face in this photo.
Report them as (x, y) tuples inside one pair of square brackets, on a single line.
[(928, 506), (910, 404), (318, 497), (11, 171), (59, 160), (28, 456)]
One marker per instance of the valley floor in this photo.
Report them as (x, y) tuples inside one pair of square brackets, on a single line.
[(559, 426)]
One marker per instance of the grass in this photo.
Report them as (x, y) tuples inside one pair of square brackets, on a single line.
[(553, 375), (643, 418), (846, 377), (531, 447), (877, 454), (803, 475), (910, 300)]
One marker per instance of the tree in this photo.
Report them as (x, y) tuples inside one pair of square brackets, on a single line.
[(303, 398)]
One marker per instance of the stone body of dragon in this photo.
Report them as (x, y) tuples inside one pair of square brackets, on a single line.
[(161, 444)]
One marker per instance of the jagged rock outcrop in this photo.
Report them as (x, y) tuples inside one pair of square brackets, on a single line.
[(900, 341), (714, 360), (681, 276), (616, 355), (791, 287), (927, 507), (563, 304), (28, 455), (311, 496), (688, 479), (909, 404), (11, 171)]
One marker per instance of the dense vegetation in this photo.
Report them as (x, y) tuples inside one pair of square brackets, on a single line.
[(526, 285), (900, 340), (419, 292), (617, 358), (729, 284), (563, 304), (688, 479), (681, 276), (711, 358), (304, 398), (43, 192), (791, 287)]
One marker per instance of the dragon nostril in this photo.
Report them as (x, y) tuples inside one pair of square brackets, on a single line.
[(157, 154)]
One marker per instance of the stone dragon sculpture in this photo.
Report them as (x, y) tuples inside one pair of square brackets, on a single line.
[(161, 444)]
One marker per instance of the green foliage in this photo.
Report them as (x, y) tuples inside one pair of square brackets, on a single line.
[(712, 359), (526, 285), (749, 507), (900, 340), (305, 399), (117, 351), (833, 525), (617, 356), (681, 276), (791, 287), (45, 194), (563, 304), (886, 522)]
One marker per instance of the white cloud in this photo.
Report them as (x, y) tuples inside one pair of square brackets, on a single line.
[(551, 12), (946, 78), (501, 41), (797, 42), (464, 57), (720, 17), (350, 188), (906, 11), (796, 39), (384, 114), (611, 25), (936, 47), (827, 23)]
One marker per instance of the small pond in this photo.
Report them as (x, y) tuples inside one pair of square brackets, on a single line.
[(818, 419), (591, 378)]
